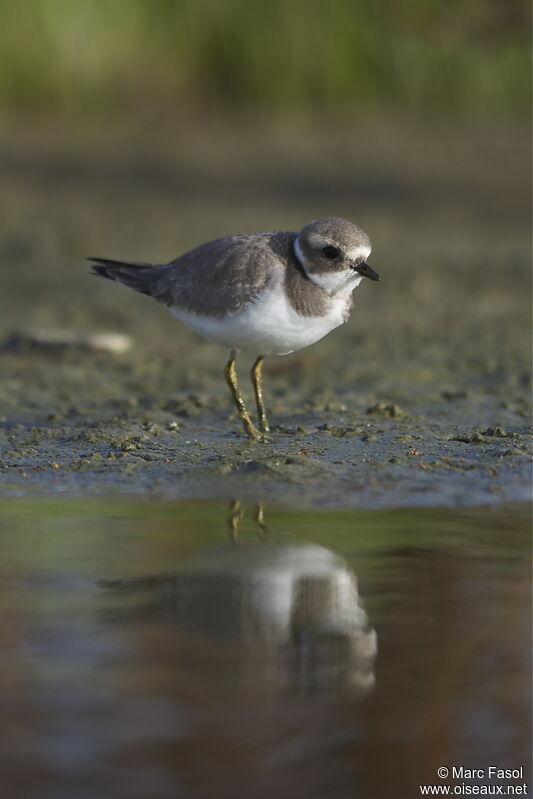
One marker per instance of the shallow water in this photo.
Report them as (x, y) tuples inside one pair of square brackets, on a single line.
[(168, 649)]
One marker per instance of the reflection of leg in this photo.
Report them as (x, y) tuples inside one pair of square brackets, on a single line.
[(235, 515), (257, 381), (231, 379), (259, 518)]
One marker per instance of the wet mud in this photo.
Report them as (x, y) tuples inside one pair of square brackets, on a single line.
[(421, 399)]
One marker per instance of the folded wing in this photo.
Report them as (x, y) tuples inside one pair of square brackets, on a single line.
[(218, 278)]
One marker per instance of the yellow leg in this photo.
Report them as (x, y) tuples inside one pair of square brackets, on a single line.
[(259, 518), (235, 515), (231, 379), (257, 382)]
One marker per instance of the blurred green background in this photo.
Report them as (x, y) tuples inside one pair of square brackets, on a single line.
[(300, 55)]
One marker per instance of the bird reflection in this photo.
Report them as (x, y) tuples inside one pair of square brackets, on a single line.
[(298, 602)]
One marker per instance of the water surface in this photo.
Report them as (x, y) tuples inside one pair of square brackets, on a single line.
[(168, 649)]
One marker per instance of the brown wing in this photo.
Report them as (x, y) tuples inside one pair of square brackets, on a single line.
[(218, 278), (223, 276)]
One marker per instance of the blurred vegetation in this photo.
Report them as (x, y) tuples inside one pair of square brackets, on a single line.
[(181, 56)]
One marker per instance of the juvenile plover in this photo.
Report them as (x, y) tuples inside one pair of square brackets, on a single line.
[(262, 293)]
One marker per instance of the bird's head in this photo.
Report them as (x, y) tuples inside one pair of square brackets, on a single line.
[(333, 253)]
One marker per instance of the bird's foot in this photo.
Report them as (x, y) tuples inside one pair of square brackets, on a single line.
[(252, 432), (264, 426)]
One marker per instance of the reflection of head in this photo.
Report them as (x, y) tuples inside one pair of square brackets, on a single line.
[(298, 601), (329, 628)]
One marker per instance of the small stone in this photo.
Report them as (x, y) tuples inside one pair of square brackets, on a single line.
[(474, 438), (392, 411), (338, 432), (127, 446), (335, 407), (56, 338), (499, 432), (152, 428)]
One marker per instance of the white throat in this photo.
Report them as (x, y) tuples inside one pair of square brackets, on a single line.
[(332, 282)]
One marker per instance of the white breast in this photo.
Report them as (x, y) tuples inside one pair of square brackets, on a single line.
[(269, 325)]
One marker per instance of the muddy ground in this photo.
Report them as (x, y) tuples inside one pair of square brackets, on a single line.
[(422, 398)]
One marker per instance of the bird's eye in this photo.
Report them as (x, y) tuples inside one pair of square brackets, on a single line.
[(331, 252)]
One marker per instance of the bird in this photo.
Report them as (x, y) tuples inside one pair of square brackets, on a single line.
[(261, 293)]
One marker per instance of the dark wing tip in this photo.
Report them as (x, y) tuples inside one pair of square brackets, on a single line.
[(100, 267), (110, 261), (137, 276), (103, 266)]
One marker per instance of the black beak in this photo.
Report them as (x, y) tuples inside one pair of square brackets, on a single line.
[(366, 271)]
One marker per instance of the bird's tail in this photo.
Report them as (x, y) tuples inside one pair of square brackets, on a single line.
[(138, 276)]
